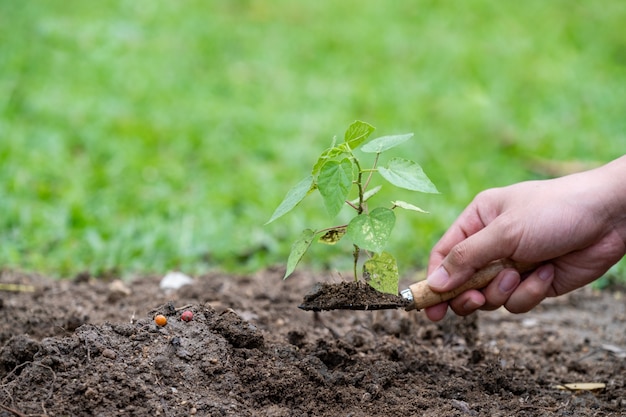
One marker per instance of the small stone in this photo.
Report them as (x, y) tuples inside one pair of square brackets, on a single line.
[(109, 354), (174, 280), (117, 291)]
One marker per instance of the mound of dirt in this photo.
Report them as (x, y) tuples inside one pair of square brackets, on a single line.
[(88, 347)]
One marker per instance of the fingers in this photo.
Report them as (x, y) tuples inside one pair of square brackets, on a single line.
[(462, 305), (468, 302), (468, 223), (507, 290), (532, 290), (436, 312), (495, 295), (499, 290), (471, 254)]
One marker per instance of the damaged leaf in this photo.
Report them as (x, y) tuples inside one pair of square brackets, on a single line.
[(381, 272), (332, 236)]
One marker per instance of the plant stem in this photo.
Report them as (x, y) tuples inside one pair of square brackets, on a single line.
[(359, 183), (371, 171), (352, 205), (355, 254), (359, 210)]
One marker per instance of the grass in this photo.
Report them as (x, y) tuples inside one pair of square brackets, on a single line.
[(140, 136)]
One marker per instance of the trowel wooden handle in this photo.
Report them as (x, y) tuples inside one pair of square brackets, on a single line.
[(424, 297)]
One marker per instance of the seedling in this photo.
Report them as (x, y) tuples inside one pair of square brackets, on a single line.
[(336, 173)]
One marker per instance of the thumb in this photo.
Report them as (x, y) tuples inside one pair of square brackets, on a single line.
[(466, 257)]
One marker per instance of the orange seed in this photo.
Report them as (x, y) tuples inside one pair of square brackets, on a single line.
[(160, 320)]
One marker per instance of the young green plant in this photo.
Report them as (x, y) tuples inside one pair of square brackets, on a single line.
[(336, 172)]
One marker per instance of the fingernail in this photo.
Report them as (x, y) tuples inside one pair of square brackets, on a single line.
[(438, 278), (508, 282), (545, 272)]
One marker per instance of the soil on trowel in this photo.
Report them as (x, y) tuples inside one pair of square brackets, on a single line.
[(86, 347), (353, 295)]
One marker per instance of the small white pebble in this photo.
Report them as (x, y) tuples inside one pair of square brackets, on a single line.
[(174, 280)]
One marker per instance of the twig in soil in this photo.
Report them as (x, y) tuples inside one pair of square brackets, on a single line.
[(12, 411), (15, 369), (54, 378), (43, 407), (54, 375), (157, 381), (17, 287), (88, 353)]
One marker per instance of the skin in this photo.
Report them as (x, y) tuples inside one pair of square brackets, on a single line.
[(575, 226)]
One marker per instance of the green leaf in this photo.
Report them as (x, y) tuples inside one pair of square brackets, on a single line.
[(384, 143), (381, 272), (298, 249), (333, 236), (330, 154), (357, 133), (407, 174), (367, 195), (407, 206), (371, 231), (294, 196), (334, 183)]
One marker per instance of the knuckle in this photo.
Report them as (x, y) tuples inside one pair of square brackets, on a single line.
[(486, 195), (509, 230), (459, 255)]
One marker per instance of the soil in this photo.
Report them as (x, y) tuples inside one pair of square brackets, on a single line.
[(89, 347), (349, 295)]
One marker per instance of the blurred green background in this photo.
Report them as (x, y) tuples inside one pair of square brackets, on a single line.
[(139, 136)]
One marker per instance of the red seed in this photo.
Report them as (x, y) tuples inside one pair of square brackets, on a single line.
[(186, 316)]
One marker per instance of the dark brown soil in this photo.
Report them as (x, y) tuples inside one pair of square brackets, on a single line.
[(349, 295), (88, 347)]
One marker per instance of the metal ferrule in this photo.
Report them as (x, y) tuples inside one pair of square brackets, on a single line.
[(408, 296)]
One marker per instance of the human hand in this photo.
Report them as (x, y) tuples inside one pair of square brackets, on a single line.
[(575, 226)]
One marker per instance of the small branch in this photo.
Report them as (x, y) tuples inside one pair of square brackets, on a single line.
[(352, 205), (12, 411), (371, 171)]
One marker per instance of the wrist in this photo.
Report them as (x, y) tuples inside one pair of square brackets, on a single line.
[(613, 184)]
